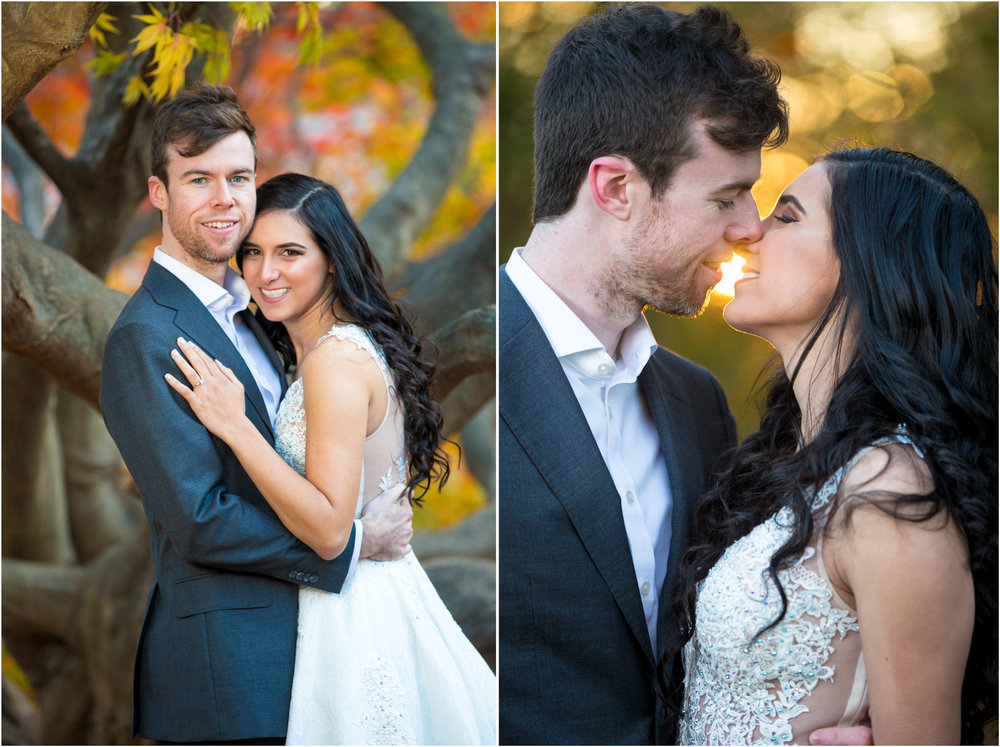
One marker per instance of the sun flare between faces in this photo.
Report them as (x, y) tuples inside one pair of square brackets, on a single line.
[(731, 272)]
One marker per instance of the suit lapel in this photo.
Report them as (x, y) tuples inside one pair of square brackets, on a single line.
[(198, 326), (678, 444), (541, 410)]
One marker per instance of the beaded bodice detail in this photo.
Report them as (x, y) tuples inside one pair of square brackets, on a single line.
[(385, 462), (742, 689)]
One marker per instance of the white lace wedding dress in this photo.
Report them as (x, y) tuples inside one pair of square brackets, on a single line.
[(383, 662), (805, 673)]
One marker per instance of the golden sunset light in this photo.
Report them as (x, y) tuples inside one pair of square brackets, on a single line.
[(731, 272)]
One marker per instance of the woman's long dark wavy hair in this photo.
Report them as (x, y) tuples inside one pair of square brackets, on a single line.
[(918, 293), (360, 291)]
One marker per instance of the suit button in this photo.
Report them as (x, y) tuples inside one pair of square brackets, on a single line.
[(291, 574), (313, 578), (300, 576)]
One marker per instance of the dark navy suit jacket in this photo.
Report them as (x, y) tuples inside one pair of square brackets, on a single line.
[(575, 661), (217, 646)]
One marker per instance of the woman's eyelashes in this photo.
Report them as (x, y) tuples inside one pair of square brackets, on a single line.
[(252, 251), (786, 218)]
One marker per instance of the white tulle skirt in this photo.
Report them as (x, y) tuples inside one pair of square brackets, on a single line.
[(384, 662)]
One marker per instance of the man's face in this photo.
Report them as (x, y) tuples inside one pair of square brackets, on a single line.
[(208, 204), (671, 258)]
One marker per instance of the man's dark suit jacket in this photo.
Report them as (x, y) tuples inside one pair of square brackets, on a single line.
[(575, 661), (217, 646)]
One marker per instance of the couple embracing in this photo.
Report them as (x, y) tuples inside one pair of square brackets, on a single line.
[(287, 605), (833, 578)]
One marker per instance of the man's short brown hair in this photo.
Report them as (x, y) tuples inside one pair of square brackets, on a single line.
[(194, 120)]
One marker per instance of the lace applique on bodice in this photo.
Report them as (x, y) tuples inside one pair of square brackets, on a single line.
[(741, 690), (385, 462), (290, 428)]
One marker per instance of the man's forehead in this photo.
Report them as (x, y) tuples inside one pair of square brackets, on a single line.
[(717, 166), (721, 170), (230, 148)]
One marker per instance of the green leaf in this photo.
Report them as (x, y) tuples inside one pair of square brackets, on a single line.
[(106, 62), (255, 16), (217, 59), (311, 46)]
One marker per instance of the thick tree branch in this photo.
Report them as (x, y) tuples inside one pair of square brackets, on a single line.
[(461, 278), (39, 146), (467, 399), (466, 346), (476, 536), (36, 38), (42, 598), (468, 588), (479, 448), (55, 313), (28, 177), (459, 70)]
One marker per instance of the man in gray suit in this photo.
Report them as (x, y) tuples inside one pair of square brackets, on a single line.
[(217, 646), (649, 126)]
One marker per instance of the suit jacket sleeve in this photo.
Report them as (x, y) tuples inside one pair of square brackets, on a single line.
[(192, 486)]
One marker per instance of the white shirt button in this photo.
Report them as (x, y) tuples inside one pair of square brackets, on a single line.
[(604, 369), (644, 589), (630, 497)]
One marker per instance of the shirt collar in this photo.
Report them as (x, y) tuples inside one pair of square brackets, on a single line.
[(232, 296), (571, 339)]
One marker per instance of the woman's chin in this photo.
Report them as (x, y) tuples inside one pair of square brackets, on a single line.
[(735, 319)]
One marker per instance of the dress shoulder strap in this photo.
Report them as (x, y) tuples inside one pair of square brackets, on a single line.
[(360, 337), (832, 485)]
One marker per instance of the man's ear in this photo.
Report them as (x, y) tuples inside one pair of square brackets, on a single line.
[(157, 193), (609, 179)]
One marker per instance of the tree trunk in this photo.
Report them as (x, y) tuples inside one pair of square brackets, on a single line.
[(36, 38)]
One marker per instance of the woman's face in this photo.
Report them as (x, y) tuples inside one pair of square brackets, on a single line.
[(287, 273), (792, 271)]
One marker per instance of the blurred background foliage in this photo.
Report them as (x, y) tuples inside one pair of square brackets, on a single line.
[(354, 119), (918, 76)]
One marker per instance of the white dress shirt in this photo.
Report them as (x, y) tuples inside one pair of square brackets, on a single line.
[(224, 302), (609, 395)]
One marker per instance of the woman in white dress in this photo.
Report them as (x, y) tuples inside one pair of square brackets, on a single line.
[(846, 564), (383, 662)]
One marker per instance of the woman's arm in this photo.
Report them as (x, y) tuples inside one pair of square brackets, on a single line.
[(319, 508), (912, 588)]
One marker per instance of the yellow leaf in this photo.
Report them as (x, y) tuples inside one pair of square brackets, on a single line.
[(177, 82), (13, 672), (161, 85), (106, 22), (135, 90), (154, 17), (149, 36), (97, 37)]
